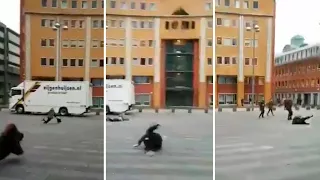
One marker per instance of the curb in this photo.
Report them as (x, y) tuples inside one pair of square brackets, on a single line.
[(248, 109), (175, 110)]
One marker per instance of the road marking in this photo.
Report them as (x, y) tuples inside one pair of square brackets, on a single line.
[(66, 149), (242, 150), (233, 145)]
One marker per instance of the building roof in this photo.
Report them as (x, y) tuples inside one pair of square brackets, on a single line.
[(297, 50)]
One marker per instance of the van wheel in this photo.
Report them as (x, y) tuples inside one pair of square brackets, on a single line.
[(63, 111), (20, 109), (107, 110)]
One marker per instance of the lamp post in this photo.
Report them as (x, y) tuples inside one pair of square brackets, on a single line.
[(254, 29), (58, 28)]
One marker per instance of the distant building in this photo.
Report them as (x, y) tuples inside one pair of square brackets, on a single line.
[(9, 61), (297, 74)]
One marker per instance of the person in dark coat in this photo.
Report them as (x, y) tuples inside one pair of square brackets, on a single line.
[(51, 115), (270, 107), (262, 106), (301, 120), (10, 141), (288, 106)]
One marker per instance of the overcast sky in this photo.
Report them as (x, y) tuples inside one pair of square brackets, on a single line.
[(297, 17), (10, 14), (293, 17)]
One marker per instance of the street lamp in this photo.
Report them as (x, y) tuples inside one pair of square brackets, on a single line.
[(254, 29), (58, 28)]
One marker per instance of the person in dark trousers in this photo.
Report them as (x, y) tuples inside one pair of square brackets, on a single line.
[(51, 115), (10, 141), (301, 120), (261, 105), (288, 106), (270, 107)]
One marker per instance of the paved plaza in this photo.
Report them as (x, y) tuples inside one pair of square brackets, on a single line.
[(72, 150), (187, 147), (248, 148)]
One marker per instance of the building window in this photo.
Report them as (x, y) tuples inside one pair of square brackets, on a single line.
[(150, 61), (219, 60), (94, 63), (51, 62), (218, 3), (64, 4), (234, 60), (227, 99), (246, 61), (219, 40), (226, 22), (43, 42), (227, 42), (219, 21), (133, 5), (73, 62), (143, 6), (246, 4), (247, 43), (209, 61), (142, 99), (227, 79), (234, 23), (113, 4), (74, 4), (80, 62), (255, 4), (97, 102), (44, 3), (209, 42), (227, 3), (209, 24), (208, 6), (65, 62), (237, 3), (121, 60), (152, 6), (94, 4), (43, 61), (54, 3), (81, 43), (141, 79), (254, 61), (123, 5), (226, 60), (84, 4)]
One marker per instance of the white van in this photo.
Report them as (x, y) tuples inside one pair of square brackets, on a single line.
[(65, 97), (120, 95)]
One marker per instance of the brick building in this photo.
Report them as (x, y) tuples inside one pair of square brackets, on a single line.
[(297, 75)]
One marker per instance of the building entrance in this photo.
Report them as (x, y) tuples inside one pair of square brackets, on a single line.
[(179, 73)]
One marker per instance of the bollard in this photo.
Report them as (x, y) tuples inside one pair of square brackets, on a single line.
[(140, 110), (206, 110), (97, 113), (189, 110), (308, 108), (248, 109), (318, 107), (219, 109), (157, 110), (234, 109), (173, 110)]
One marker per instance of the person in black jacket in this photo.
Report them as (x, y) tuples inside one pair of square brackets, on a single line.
[(151, 140), (262, 106), (288, 106), (301, 120), (10, 141)]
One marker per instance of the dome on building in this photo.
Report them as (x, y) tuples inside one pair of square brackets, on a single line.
[(287, 48), (297, 41), (297, 37)]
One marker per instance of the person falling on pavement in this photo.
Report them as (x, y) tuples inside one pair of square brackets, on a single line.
[(270, 107), (51, 115), (301, 120), (261, 105)]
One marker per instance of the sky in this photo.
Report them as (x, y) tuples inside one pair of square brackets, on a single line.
[(292, 17), (10, 14)]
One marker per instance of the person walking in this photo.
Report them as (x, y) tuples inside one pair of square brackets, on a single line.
[(270, 107), (262, 106)]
